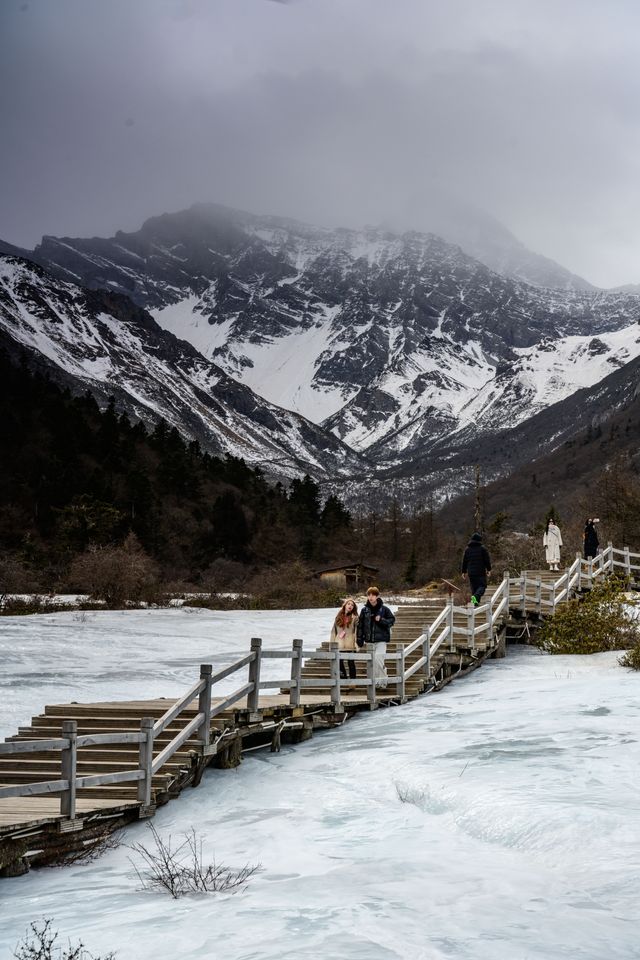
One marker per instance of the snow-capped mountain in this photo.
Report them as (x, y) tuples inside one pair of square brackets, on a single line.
[(102, 341), (402, 347)]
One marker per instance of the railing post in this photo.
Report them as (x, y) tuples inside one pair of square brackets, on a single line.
[(253, 699), (590, 572), (506, 577), (452, 645), (490, 621), (609, 563), (400, 670), (426, 649), (579, 583), (145, 761), (371, 684), (204, 704), (539, 595), (627, 563), (68, 768), (471, 628), (523, 592), (296, 674), (334, 663)]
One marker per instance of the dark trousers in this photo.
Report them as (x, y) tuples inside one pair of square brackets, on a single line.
[(478, 586), (352, 669)]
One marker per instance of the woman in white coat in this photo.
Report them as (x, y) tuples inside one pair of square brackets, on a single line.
[(552, 541)]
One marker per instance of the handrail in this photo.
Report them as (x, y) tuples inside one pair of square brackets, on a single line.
[(176, 743), (177, 708)]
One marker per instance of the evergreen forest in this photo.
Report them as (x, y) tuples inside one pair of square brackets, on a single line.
[(76, 481)]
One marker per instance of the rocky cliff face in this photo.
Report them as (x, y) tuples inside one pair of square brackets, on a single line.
[(402, 347), (102, 341)]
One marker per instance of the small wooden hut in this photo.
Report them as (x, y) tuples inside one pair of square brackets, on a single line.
[(350, 577)]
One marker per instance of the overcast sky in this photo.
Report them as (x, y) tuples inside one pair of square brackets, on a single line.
[(339, 112)]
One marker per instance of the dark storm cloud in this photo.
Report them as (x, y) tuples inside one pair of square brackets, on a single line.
[(335, 111)]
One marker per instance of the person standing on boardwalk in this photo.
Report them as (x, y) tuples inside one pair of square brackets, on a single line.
[(374, 626), (552, 541), (344, 631), (590, 538), (476, 562)]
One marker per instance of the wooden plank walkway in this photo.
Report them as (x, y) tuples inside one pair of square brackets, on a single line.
[(81, 770)]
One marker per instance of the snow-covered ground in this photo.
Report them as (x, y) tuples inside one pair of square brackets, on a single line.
[(523, 840)]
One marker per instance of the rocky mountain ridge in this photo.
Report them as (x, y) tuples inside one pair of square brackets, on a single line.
[(401, 347), (101, 341)]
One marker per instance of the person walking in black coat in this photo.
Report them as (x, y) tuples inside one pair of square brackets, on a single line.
[(477, 563), (590, 538), (374, 626)]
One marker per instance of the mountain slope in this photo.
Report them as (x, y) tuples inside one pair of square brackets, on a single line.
[(389, 341), (102, 341)]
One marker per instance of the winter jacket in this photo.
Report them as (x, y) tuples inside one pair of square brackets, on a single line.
[(552, 541), (346, 636), (590, 540), (476, 560), (370, 630)]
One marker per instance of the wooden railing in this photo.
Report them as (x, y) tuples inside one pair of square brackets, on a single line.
[(523, 593), (69, 782)]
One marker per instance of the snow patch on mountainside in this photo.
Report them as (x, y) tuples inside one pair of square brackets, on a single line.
[(547, 373), (185, 321)]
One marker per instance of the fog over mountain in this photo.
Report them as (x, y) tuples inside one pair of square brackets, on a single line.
[(334, 113)]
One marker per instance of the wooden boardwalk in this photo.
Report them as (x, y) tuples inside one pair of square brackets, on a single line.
[(79, 771)]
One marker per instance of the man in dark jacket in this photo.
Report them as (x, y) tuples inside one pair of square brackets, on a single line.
[(374, 626), (590, 538), (477, 563)]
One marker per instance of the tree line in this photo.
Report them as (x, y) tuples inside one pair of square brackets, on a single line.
[(77, 479)]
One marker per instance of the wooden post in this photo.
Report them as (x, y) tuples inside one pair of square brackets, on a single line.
[(334, 663), (68, 768), (609, 563), (627, 563), (400, 668), (471, 628), (296, 673), (523, 592), (590, 572), (204, 704), (452, 645), (253, 699), (426, 649), (505, 576), (145, 761), (371, 684), (490, 621), (539, 595), (579, 583)]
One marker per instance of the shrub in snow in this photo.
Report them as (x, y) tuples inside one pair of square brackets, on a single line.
[(115, 574), (39, 943), (180, 870), (600, 621), (631, 658)]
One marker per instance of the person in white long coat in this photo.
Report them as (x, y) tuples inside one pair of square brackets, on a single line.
[(552, 541)]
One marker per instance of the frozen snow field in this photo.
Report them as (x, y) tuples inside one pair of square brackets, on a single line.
[(522, 841)]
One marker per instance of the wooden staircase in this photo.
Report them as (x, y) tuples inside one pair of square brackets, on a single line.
[(411, 621), (96, 719)]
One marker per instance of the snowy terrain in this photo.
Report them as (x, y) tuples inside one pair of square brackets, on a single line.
[(523, 841), (112, 347)]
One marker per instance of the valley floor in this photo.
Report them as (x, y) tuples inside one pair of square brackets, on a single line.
[(519, 835)]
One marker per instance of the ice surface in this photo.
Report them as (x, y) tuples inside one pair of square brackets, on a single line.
[(522, 840)]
